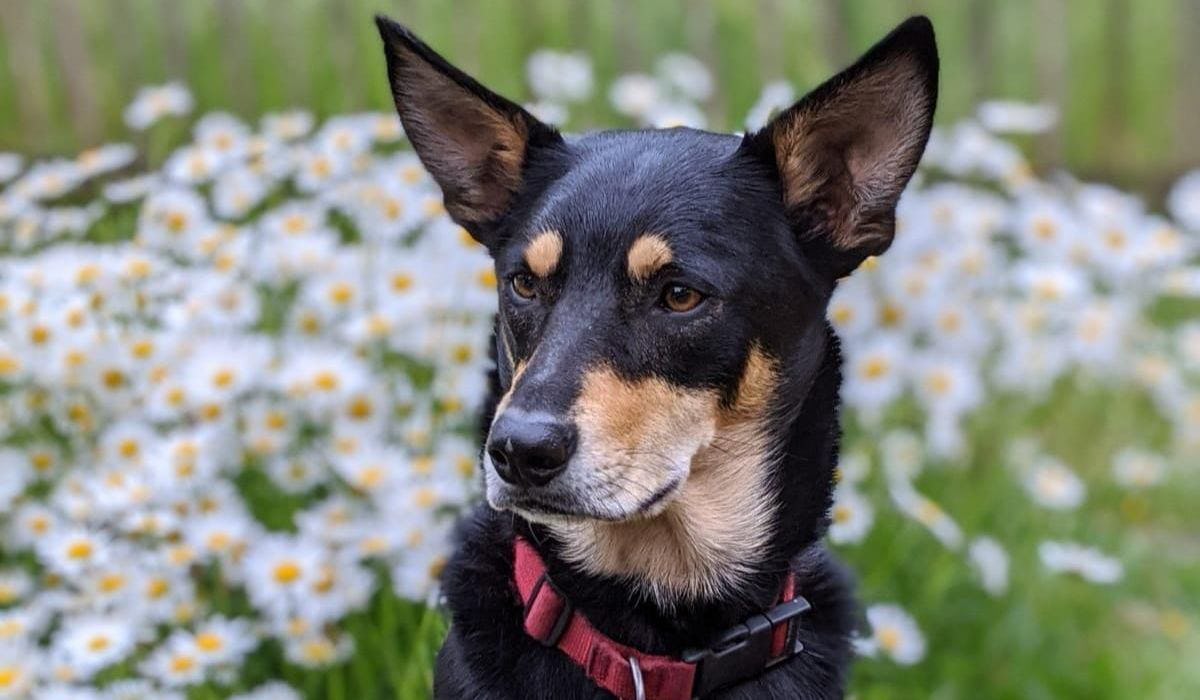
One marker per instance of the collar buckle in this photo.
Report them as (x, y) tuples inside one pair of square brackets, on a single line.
[(744, 650), (544, 597)]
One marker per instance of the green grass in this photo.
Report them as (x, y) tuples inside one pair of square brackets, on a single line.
[(1049, 636)]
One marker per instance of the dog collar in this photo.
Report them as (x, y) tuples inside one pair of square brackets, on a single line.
[(744, 651)]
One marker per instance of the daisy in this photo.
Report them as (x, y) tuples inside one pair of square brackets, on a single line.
[(16, 473), (1002, 116), (894, 633), (1137, 469), (902, 455), (686, 75), (287, 126), (237, 191), (19, 670), (990, 562), (220, 641), (10, 166), (296, 473), (558, 76), (852, 309), (851, 517), (15, 585), (74, 550), (280, 570), (1052, 485), (318, 650), (94, 643), (634, 94), (154, 103), (874, 374), (194, 164), (170, 217), (1088, 563), (1184, 200), (176, 663), (775, 98), (927, 512)]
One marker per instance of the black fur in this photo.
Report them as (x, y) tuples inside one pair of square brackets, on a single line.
[(765, 272)]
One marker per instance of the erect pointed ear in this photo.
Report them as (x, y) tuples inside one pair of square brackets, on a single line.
[(473, 142), (845, 151)]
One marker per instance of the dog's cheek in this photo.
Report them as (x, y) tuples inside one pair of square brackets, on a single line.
[(637, 436)]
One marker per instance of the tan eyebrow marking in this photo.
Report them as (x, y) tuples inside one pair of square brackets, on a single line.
[(543, 253), (648, 254)]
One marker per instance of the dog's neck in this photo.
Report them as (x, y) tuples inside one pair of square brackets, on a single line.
[(720, 551)]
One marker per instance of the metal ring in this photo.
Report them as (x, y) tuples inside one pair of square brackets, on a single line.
[(639, 686)]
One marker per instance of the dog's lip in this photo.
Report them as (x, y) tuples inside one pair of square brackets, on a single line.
[(534, 504), (659, 496)]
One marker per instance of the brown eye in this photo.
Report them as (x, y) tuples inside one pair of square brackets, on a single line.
[(679, 298), (522, 284)]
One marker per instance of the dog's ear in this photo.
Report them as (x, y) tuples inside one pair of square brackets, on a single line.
[(473, 142), (845, 151)]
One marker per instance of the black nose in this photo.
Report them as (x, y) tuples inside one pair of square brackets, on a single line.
[(530, 449)]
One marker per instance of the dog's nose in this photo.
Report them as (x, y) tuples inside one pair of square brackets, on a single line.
[(530, 449)]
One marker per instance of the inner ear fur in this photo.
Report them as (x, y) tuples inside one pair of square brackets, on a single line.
[(845, 151), (473, 142)]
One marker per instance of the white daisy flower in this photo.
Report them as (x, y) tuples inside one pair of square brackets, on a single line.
[(1137, 469), (1052, 485), (1087, 563), (895, 634), (990, 562), (94, 643), (851, 516), (154, 103)]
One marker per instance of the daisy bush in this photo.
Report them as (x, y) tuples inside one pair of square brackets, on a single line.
[(238, 388)]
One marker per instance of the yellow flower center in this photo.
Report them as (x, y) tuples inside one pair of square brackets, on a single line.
[(80, 549), (326, 381), (176, 222), (209, 642), (129, 448), (182, 663), (287, 572), (876, 367), (401, 282), (9, 675), (889, 638), (111, 583), (223, 378), (341, 293)]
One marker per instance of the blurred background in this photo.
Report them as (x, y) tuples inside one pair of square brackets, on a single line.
[(1125, 74), (242, 346)]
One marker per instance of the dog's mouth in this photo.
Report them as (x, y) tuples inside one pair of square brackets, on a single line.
[(551, 506)]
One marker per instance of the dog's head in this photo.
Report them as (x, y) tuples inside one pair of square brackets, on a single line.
[(662, 293)]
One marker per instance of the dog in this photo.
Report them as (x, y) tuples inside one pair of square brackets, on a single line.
[(661, 441)]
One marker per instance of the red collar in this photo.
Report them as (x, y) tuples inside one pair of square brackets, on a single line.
[(741, 653)]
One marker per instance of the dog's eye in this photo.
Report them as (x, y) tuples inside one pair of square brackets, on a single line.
[(680, 298), (523, 285)]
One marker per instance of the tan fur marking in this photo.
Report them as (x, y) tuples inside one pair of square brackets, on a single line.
[(503, 403), (627, 415), (708, 536), (543, 253), (648, 254)]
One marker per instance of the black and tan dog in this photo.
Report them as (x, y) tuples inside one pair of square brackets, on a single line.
[(661, 444)]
